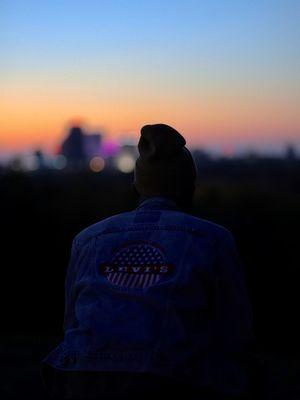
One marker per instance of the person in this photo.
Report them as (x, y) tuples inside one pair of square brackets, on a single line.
[(156, 302)]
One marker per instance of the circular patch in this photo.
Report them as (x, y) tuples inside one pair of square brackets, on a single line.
[(138, 265)]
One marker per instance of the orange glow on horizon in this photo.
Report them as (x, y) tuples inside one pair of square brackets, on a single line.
[(32, 120)]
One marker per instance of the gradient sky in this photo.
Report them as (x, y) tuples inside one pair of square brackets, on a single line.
[(222, 72)]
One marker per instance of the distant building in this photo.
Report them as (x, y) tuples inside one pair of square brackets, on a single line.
[(129, 149), (79, 148), (73, 148), (92, 145)]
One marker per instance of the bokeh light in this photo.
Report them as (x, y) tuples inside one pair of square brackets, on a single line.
[(97, 164), (125, 163), (60, 162)]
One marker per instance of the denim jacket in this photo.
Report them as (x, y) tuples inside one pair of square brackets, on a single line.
[(156, 290)]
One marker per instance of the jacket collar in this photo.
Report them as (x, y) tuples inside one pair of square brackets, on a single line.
[(158, 203)]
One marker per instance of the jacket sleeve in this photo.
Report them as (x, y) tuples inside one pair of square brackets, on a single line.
[(233, 310), (80, 261), (69, 285)]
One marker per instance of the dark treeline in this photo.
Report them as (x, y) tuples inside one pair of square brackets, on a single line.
[(257, 199)]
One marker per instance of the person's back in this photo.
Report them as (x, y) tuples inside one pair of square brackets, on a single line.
[(156, 291)]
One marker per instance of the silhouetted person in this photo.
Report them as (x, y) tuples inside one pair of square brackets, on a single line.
[(155, 298)]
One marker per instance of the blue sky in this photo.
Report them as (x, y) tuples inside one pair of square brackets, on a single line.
[(158, 52)]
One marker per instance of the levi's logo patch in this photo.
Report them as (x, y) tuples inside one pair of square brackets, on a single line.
[(136, 265)]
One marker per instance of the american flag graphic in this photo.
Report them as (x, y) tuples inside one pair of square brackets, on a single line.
[(136, 266)]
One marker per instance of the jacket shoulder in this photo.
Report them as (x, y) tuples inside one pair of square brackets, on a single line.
[(99, 227), (207, 227), (193, 223)]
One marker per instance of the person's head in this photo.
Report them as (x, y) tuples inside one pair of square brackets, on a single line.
[(165, 167)]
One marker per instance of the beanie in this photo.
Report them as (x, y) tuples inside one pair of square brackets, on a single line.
[(165, 167)]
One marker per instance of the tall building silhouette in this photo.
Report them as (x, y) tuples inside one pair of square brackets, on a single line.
[(73, 148), (79, 148)]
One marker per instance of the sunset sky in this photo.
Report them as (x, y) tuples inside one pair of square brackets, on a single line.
[(224, 73)]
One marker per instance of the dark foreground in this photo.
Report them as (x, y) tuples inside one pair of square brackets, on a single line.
[(258, 200)]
